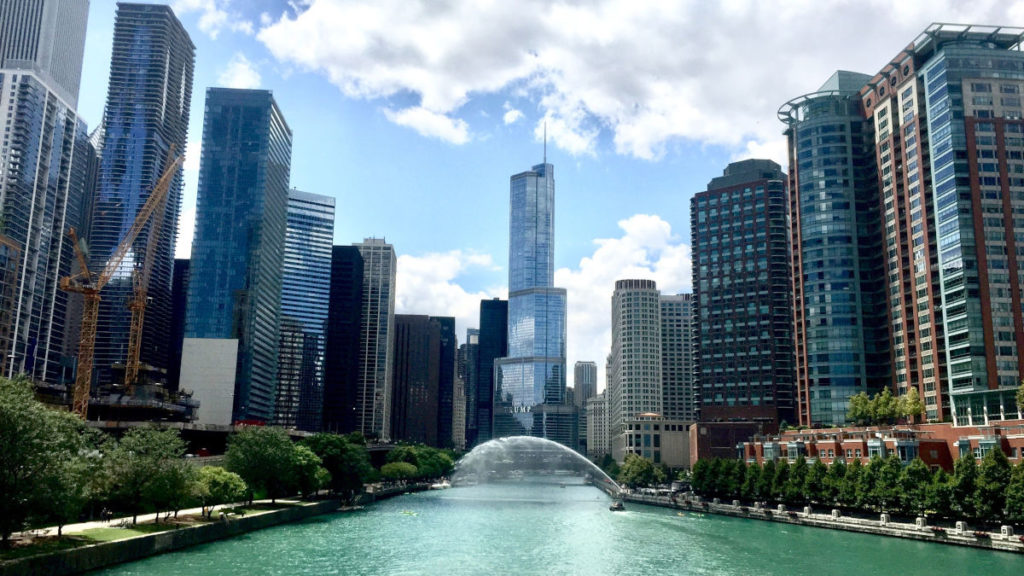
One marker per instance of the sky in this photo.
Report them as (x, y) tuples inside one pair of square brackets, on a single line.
[(414, 114)]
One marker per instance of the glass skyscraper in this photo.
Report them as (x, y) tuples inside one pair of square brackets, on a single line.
[(44, 159), (344, 322), (376, 339), (147, 110), (530, 388), (493, 346), (305, 297), (235, 277)]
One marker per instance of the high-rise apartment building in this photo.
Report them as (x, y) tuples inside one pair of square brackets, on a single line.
[(44, 152), (344, 325), (416, 380), (949, 139), (469, 373), (742, 288), (376, 339), (634, 391), (842, 342), (305, 298), (584, 382), (238, 250), (597, 426), (678, 392), (493, 345), (147, 111), (530, 388), (46, 38)]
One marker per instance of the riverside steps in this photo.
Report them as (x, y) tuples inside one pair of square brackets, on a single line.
[(961, 535)]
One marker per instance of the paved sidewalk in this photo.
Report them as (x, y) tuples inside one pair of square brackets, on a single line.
[(142, 519)]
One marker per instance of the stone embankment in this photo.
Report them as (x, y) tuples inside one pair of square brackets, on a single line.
[(1004, 540)]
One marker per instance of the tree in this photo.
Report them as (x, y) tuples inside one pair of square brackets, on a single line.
[(347, 462), (860, 408), (1015, 495), (940, 494), (884, 407), (909, 405), (847, 493), (886, 490), (751, 479), (218, 486), (145, 470), (265, 458), (866, 494), (793, 493), (913, 487), (639, 471), (780, 480), (965, 483), (815, 486), (699, 477), (399, 471), (309, 475), (34, 441), (764, 485), (1020, 399), (733, 473), (993, 482), (715, 476)]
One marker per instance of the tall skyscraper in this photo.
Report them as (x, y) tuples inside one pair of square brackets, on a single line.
[(446, 380), (634, 392), (597, 426), (584, 381), (344, 324), (44, 153), (415, 409), (842, 343), (234, 289), (743, 289), (305, 298), (469, 372), (949, 135), (677, 358), (179, 305), (376, 339), (46, 38), (493, 345), (151, 63), (530, 388)]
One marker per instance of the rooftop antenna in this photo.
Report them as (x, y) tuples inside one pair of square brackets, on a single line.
[(545, 141)]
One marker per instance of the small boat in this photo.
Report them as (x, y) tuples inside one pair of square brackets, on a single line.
[(617, 506), (442, 485)]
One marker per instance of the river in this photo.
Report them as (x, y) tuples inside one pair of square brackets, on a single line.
[(539, 527)]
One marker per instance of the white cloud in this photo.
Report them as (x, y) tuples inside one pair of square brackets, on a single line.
[(239, 73), (186, 229), (192, 153), (427, 285), (512, 116), (647, 73), (214, 16), (647, 249), (431, 124)]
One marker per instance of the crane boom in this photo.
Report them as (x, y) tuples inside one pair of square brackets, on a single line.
[(84, 284)]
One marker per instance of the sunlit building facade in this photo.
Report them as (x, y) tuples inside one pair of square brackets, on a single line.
[(376, 339), (678, 391)]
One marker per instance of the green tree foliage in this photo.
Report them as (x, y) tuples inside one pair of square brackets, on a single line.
[(399, 471), (914, 482), (146, 471), (965, 483), (793, 493), (1020, 398), (780, 480), (848, 492), (1015, 495), (609, 466), (639, 471), (815, 487), (992, 484), (265, 458), (700, 477), (309, 475), (715, 477), (733, 476), (215, 485), (834, 480), (886, 491), (764, 485), (860, 409), (429, 462), (347, 462), (866, 495), (940, 494), (884, 408), (909, 405), (751, 479)]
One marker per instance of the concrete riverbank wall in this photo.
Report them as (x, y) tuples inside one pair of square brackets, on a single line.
[(79, 560), (962, 535)]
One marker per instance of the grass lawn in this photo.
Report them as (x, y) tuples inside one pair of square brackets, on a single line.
[(96, 535)]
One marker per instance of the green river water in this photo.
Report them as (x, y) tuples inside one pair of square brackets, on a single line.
[(538, 527)]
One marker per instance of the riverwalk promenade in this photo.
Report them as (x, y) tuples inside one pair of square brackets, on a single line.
[(960, 535)]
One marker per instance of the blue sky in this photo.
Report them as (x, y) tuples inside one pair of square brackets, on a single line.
[(415, 114)]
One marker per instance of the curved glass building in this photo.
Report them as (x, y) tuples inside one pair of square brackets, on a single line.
[(839, 283)]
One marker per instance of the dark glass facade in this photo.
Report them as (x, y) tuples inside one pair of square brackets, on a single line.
[(842, 344), (446, 380), (743, 292), (376, 340), (344, 317), (179, 303), (416, 395), (469, 372), (493, 345), (238, 249), (305, 298), (147, 110)]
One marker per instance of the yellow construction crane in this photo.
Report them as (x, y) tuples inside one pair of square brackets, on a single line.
[(89, 286)]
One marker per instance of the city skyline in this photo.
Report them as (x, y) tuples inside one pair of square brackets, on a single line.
[(637, 207)]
